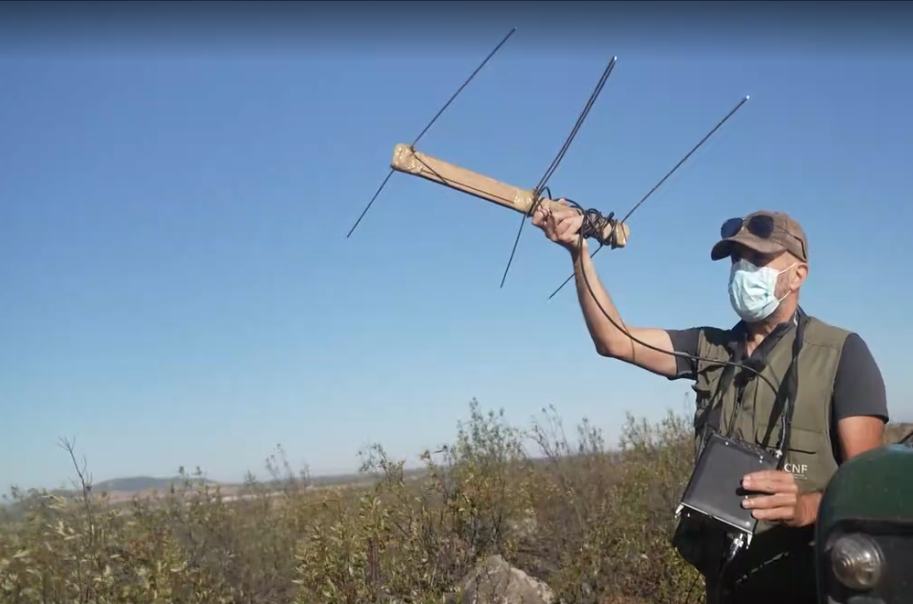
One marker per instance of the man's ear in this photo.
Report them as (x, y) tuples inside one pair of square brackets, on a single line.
[(799, 276)]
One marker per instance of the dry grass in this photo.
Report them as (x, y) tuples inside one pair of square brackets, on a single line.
[(593, 523)]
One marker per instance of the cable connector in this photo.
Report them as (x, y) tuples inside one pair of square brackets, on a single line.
[(605, 229)]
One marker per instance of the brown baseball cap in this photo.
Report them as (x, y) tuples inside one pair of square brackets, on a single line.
[(763, 231)]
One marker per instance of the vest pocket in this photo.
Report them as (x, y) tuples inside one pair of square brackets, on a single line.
[(804, 441), (702, 406), (801, 441), (803, 458), (704, 387)]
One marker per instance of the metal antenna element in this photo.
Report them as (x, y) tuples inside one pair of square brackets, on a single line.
[(664, 178), (553, 166), (434, 119), (687, 155)]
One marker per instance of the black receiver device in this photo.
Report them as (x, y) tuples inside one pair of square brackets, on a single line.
[(715, 491)]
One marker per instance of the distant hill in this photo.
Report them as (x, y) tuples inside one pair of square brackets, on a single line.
[(139, 483), (126, 486)]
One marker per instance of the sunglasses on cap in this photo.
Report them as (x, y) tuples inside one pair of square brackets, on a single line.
[(761, 225)]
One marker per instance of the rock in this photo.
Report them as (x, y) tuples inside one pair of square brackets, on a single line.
[(494, 581)]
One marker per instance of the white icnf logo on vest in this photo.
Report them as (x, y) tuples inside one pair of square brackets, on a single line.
[(798, 470)]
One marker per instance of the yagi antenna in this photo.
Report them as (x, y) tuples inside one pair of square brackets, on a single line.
[(605, 229)]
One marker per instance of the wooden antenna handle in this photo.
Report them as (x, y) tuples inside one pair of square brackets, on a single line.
[(409, 161)]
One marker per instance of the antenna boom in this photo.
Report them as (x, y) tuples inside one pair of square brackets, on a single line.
[(409, 161)]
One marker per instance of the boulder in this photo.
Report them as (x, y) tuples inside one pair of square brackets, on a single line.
[(494, 581)]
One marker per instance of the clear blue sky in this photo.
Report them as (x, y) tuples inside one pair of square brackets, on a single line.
[(176, 183)]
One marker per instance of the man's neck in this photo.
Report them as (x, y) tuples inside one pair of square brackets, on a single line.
[(756, 332)]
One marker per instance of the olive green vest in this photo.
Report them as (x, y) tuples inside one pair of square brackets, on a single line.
[(809, 455), (779, 563)]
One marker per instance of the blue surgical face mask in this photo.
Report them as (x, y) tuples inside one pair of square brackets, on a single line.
[(752, 290)]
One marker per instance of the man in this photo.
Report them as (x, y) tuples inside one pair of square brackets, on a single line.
[(838, 396)]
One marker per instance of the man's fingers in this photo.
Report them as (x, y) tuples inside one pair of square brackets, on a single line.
[(569, 225), (561, 212), (782, 514), (765, 502), (542, 211), (559, 221), (770, 481)]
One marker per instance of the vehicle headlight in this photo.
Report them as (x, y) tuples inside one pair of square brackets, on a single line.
[(857, 561)]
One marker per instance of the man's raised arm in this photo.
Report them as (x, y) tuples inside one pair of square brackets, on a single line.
[(562, 227)]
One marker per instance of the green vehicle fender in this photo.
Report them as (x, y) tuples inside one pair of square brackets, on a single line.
[(864, 530)]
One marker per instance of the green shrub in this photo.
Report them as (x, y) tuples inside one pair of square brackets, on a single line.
[(604, 518), (593, 522)]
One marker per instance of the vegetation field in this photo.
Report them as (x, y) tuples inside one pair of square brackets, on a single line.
[(591, 520)]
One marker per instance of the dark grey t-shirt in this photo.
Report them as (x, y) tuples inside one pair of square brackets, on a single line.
[(858, 387)]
